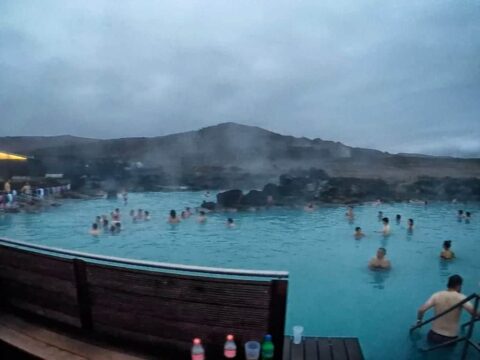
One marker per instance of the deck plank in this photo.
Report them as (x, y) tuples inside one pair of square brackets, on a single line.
[(353, 349), (286, 348), (324, 352), (311, 349), (339, 351), (297, 351)]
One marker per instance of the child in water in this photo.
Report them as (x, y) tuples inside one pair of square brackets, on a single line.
[(446, 253), (358, 234)]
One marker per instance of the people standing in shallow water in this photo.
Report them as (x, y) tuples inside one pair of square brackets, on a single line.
[(379, 261), (230, 223), (410, 225), (386, 226), (202, 218), (349, 214), (380, 215), (358, 233), (173, 218), (445, 328), (95, 231), (447, 253)]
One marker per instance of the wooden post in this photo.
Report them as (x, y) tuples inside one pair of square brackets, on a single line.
[(278, 313), (83, 297)]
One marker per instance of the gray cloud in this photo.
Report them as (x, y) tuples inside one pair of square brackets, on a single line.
[(397, 76)]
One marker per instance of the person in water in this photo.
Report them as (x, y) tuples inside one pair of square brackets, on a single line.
[(410, 225), (349, 214), (202, 218), (105, 223), (230, 223), (358, 233), (398, 217), (379, 261), (445, 328), (188, 212), (147, 215), (467, 217), (183, 215), (309, 207), (380, 215), (95, 231), (386, 226), (460, 214), (447, 253), (173, 218)]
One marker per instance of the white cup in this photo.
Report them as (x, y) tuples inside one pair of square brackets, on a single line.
[(297, 334)]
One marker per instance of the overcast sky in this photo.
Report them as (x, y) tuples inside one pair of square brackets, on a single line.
[(399, 76)]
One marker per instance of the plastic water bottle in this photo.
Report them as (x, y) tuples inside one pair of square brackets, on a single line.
[(198, 353), (230, 349), (267, 348)]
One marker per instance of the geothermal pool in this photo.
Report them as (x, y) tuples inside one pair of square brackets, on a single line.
[(331, 291)]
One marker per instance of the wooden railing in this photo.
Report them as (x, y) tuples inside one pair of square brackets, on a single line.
[(157, 306)]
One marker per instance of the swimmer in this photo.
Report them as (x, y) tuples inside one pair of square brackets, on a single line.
[(349, 212), (467, 217), (183, 215), (410, 225), (202, 218), (95, 231), (112, 229), (460, 214), (105, 223), (309, 207), (188, 211), (379, 261), (358, 233), (386, 226), (173, 219), (380, 215), (147, 215), (139, 215), (398, 217), (230, 223), (98, 220), (118, 226), (446, 253)]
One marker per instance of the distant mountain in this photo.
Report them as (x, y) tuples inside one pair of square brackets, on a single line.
[(250, 149)]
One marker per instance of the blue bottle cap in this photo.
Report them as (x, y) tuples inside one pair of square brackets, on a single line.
[(268, 337)]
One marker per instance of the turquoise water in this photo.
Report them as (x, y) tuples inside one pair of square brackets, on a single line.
[(331, 290)]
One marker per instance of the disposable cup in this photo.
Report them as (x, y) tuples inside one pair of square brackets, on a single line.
[(297, 334), (252, 350)]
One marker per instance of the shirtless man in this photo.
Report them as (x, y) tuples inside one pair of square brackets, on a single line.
[(379, 261), (445, 328)]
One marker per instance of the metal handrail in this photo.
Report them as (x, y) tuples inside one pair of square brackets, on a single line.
[(471, 324), (150, 264)]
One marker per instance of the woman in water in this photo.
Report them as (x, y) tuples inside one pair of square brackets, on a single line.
[(173, 219), (446, 253), (358, 234), (410, 225)]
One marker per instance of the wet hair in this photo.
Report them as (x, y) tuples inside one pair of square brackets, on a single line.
[(94, 226), (398, 216), (454, 281), (117, 210), (173, 213), (385, 220), (230, 220), (118, 225), (467, 213), (382, 249), (358, 228), (105, 222), (147, 212), (460, 212), (447, 244), (410, 221)]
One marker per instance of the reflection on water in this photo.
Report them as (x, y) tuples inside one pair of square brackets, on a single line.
[(379, 277)]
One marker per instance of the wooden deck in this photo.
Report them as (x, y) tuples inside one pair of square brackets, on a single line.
[(321, 348)]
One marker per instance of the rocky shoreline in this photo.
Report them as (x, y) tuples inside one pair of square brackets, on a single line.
[(316, 187)]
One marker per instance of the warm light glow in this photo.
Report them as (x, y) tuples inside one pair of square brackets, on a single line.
[(7, 156)]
